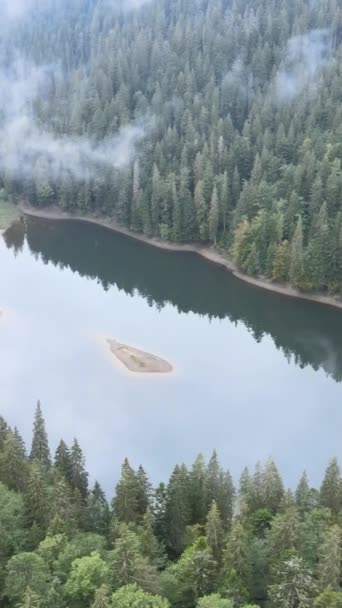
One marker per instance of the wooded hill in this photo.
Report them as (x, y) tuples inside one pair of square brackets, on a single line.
[(239, 108)]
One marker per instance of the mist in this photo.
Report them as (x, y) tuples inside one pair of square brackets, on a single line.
[(24, 143), (12, 10), (306, 55)]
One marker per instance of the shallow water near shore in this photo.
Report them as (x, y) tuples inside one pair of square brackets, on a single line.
[(258, 374)]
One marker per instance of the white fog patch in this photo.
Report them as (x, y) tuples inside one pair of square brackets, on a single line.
[(306, 55), (15, 9), (24, 143)]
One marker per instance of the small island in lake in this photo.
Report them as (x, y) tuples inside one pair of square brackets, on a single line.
[(137, 360)]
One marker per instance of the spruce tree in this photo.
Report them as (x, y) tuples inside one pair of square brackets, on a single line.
[(30, 600), (102, 598), (79, 475), (36, 498), (331, 488), (62, 461), (40, 446), (177, 510), (98, 511), (13, 465), (144, 490), (125, 502), (198, 491), (330, 560), (296, 271), (214, 531), (293, 587)]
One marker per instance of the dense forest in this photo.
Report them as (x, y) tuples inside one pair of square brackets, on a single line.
[(236, 111), (194, 542)]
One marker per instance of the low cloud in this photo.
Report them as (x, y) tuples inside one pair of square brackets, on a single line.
[(14, 9), (24, 143), (306, 55)]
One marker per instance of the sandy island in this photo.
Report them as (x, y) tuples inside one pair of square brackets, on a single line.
[(209, 253), (139, 361)]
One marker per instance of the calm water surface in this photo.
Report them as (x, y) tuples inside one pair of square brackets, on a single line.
[(257, 375)]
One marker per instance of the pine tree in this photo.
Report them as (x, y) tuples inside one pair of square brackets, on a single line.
[(79, 476), (125, 502), (236, 553), (280, 268), (198, 491), (302, 492), (62, 460), (294, 586), (40, 446), (98, 511), (330, 492), (30, 600), (144, 490), (177, 510), (213, 217), (125, 558), (102, 598), (285, 533), (3, 432), (330, 560), (62, 517), (36, 498), (214, 531), (273, 488), (13, 465), (296, 270)]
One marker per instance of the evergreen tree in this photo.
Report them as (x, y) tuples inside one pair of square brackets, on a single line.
[(36, 498), (330, 560), (125, 502), (78, 474), (63, 460), (296, 270), (177, 510), (13, 466), (143, 491), (30, 600), (101, 599), (98, 511), (330, 493), (294, 586), (40, 446), (214, 530)]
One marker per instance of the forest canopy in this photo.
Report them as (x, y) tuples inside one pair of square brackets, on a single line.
[(196, 541), (194, 120)]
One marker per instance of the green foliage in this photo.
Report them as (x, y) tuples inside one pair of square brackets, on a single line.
[(26, 570), (328, 599), (214, 601), (294, 586), (40, 447), (86, 576), (230, 159), (278, 549), (131, 596)]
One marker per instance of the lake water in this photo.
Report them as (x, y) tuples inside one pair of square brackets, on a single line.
[(256, 374)]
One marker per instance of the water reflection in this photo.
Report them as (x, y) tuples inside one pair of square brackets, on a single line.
[(306, 332)]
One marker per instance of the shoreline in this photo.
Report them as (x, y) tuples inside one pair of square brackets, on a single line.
[(208, 253)]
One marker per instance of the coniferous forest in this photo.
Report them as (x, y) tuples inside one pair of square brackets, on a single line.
[(236, 106), (193, 542)]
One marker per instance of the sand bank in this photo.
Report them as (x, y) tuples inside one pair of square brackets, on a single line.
[(136, 360)]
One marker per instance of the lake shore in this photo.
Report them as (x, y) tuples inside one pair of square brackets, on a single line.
[(9, 213), (209, 253)]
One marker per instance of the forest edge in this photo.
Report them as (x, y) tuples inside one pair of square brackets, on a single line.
[(210, 254)]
